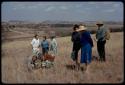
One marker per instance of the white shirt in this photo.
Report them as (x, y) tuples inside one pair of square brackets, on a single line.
[(35, 43)]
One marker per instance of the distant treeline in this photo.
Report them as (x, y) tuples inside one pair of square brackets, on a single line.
[(60, 29), (63, 33), (61, 25)]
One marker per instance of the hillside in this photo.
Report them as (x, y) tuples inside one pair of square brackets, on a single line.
[(61, 28), (16, 52)]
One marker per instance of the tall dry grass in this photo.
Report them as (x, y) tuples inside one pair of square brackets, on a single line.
[(15, 55)]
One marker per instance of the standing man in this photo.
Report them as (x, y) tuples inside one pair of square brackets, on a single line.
[(45, 46), (102, 35)]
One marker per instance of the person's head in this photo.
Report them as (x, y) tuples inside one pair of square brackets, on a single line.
[(99, 24), (52, 37), (36, 36), (81, 28), (75, 27), (44, 37)]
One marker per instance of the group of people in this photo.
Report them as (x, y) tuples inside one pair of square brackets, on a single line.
[(81, 39), (45, 46)]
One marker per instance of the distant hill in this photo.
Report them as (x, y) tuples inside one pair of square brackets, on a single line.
[(59, 22), (62, 28)]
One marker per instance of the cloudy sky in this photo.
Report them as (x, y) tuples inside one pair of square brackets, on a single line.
[(71, 11)]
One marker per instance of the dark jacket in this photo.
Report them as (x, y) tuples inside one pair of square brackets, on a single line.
[(75, 38), (76, 42), (86, 38)]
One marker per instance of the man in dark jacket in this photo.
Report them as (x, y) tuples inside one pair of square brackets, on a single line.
[(76, 43)]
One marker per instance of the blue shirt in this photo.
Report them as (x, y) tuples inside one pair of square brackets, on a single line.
[(100, 35), (44, 44)]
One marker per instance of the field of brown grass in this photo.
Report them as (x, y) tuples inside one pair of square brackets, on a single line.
[(15, 54)]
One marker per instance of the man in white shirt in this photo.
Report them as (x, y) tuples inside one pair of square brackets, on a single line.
[(35, 44)]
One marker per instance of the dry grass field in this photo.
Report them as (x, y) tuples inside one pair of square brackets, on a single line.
[(16, 52)]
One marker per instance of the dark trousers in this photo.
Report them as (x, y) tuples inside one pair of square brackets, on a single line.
[(101, 49), (45, 50), (76, 48)]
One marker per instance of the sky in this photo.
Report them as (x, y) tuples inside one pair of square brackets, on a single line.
[(62, 11)]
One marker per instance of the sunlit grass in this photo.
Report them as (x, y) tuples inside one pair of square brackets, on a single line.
[(15, 54)]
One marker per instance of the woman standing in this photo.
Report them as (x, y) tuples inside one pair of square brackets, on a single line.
[(86, 46), (53, 46), (75, 38), (35, 45)]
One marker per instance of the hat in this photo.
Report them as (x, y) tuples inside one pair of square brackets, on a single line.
[(99, 23), (81, 27)]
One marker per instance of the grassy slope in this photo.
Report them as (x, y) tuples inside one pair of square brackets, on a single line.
[(14, 64)]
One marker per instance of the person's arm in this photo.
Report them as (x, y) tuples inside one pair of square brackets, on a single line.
[(104, 33), (41, 43), (96, 35), (55, 44), (47, 43), (91, 42), (50, 46), (31, 44), (72, 37), (38, 43), (107, 31), (90, 39)]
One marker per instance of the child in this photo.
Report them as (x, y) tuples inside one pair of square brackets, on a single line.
[(53, 46), (45, 46)]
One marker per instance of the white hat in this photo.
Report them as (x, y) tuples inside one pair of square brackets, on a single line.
[(81, 27)]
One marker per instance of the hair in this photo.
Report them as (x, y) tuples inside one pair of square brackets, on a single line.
[(99, 25), (75, 26), (35, 35), (52, 37), (44, 37)]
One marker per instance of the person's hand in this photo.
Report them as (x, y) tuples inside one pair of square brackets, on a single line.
[(100, 39), (95, 39), (92, 46)]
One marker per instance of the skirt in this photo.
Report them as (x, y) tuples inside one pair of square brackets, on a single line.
[(86, 53)]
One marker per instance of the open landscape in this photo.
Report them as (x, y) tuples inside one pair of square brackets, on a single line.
[(16, 50), (20, 21)]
